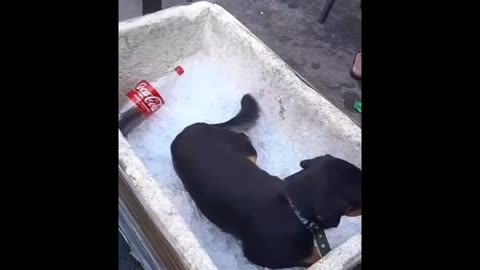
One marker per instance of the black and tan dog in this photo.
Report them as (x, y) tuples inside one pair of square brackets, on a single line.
[(273, 218)]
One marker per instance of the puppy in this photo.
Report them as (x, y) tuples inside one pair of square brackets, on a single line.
[(274, 219)]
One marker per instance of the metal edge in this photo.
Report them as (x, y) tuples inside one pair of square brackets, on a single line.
[(137, 248), (151, 240)]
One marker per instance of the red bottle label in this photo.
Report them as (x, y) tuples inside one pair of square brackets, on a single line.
[(147, 99)]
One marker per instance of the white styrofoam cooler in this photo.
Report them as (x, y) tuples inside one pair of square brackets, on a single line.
[(154, 43)]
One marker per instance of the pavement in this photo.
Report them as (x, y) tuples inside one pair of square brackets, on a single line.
[(322, 53)]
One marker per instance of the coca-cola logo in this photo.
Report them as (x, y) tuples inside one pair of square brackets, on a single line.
[(153, 102), (146, 97), (143, 90)]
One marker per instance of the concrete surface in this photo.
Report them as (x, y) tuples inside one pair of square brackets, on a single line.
[(323, 54), (129, 9)]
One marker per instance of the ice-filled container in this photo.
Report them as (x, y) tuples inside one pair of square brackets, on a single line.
[(223, 60)]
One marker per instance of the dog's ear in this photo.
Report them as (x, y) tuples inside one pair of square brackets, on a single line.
[(330, 211), (337, 186), (307, 163)]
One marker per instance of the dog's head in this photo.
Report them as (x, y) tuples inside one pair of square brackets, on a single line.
[(337, 188)]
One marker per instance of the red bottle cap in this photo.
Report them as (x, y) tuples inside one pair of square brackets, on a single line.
[(179, 70)]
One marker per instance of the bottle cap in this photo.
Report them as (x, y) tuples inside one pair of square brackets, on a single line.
[(179, 70)]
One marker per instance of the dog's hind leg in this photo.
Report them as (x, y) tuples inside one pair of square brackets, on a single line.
[(245, 147), (242, 144), (253, 159), (239, 142)]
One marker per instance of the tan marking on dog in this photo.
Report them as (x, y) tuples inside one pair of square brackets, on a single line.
[(253, 159), (314, 257), (354, 213)]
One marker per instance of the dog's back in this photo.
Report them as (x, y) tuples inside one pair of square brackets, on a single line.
[(239, 198), (215, 165), (203, 154)]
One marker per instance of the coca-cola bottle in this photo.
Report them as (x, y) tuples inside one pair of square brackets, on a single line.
[(144, 100)]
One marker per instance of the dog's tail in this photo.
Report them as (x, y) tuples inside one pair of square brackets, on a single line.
[(246, 117)]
